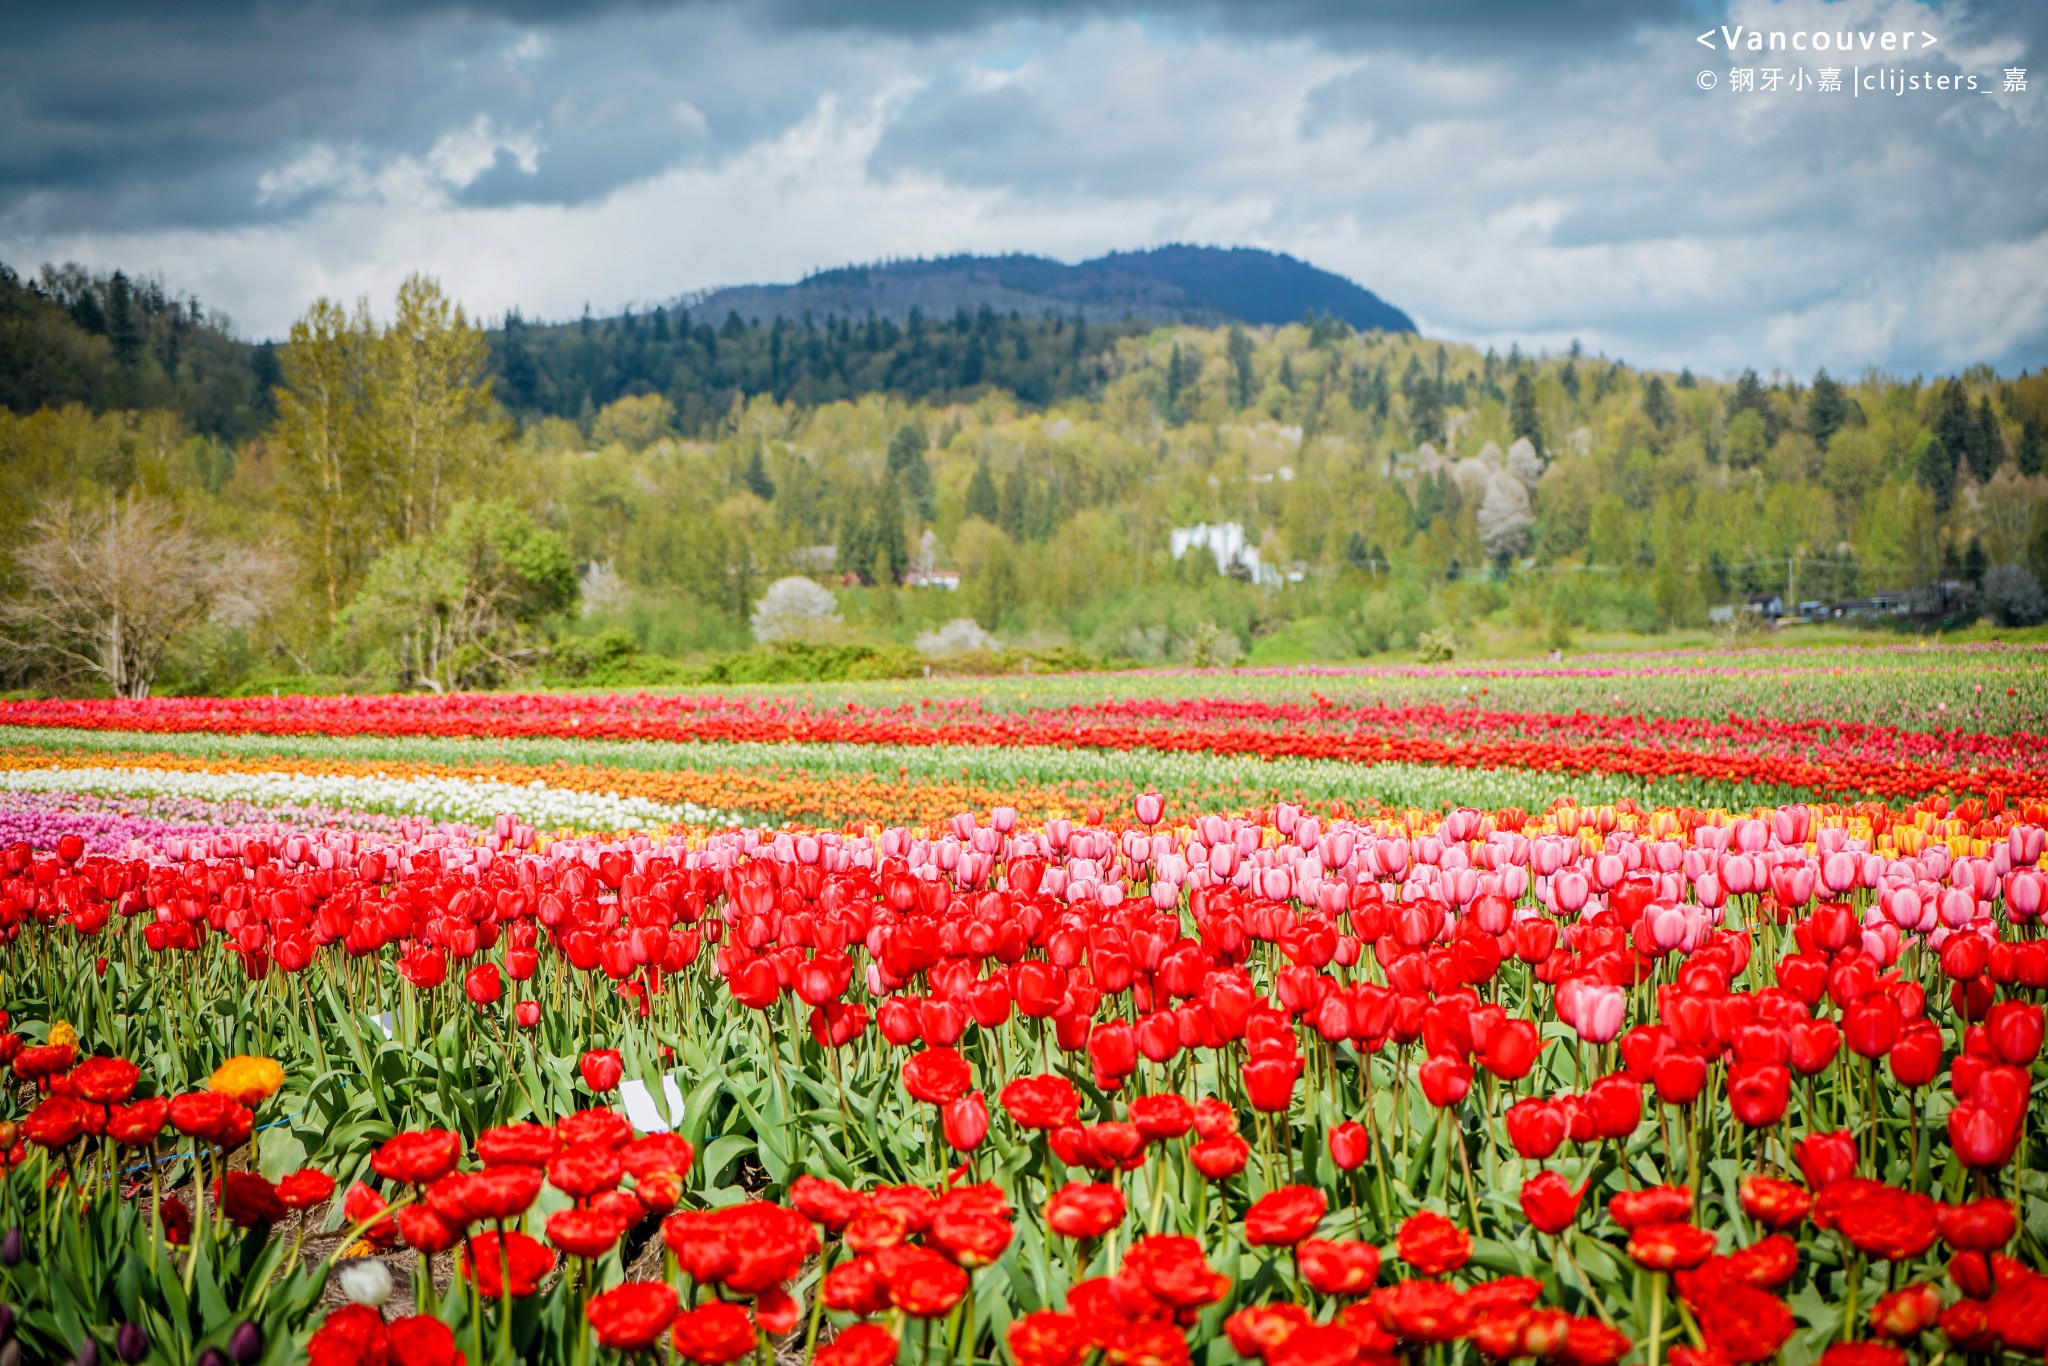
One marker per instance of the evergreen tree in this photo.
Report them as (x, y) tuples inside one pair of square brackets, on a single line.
[(2028, 456), (1239, 350), (1936, 472), (981, 492), (1013, 513), (907, 464), (1827, 408), (124, 331), (1987, 443), (1569, 378), (891, 550), (857, 540), (755, 476), (1975, 561), (1685, 379), (1657, 402), (1522, 417), (1749, 394), (1953, 423)]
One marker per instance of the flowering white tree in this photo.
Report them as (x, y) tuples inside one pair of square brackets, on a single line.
[(795, 608), (1504, 516), (105, 590)]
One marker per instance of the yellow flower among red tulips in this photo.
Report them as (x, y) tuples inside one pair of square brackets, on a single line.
[(247, 1080)]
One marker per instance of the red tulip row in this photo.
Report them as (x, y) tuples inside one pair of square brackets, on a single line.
[(1830, 757)]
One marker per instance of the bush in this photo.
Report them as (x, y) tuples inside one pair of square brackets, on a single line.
[(804, 662), (608, 659), (1437, 646), (2013, 596)]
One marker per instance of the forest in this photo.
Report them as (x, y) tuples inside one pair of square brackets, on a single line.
[(397, 495)]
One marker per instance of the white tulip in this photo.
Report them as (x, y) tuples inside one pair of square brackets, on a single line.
[(365, 1280)]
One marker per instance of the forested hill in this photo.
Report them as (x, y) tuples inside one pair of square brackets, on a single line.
[(921, 331), (1206, 286), (113, 342)]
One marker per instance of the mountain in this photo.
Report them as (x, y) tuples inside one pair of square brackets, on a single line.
[(1174, 284)]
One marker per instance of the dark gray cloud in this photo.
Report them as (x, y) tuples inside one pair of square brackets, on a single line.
[(1502, 170), (110, 109)]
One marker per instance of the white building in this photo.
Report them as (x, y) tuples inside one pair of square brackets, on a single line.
[(1225, 541)]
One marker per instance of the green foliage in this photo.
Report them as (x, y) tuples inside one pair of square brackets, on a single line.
[(467, 608), (803, 662), (611, 658)]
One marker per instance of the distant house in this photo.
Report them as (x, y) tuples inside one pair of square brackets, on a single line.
[(1769, 606), (814, 559), (1226, 542), (932, 578)]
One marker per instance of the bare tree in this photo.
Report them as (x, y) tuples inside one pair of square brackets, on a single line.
[(106, 589)]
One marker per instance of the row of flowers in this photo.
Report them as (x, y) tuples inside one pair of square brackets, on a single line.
[(1824, 757), (321, 793), (837, 783)]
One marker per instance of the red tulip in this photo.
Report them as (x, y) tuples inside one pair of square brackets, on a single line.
[(1670, 1247), (1617, 1106), (1284, 1217), (1337, 1268), (1757, 1092), (1871, 1024), (937, 1076), (1550, 1202), (602, 1069), (1080, 1210), (1651, 1205), (1511, 1050), (1537, 1128), (1826, 1158), (1269, 1082), (1446, 1080), (633, 1316), (1220, 1157), (1775, 1204), (2015, 1028), (964, 1122), (1432, 1244), (1349, 1144)]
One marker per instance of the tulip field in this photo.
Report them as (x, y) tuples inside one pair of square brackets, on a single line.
[(1676, 1010)]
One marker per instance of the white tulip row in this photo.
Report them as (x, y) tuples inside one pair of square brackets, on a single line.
[(476, 801)]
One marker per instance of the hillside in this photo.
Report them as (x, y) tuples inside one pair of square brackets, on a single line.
[(1172, 284)]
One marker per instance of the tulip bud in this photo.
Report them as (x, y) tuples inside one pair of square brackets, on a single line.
[(213, 1356), (131, 1343), (88, 1353), (12, 1248), (245, 1344)]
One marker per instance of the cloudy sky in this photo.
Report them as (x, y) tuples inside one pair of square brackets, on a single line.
[(1503, 171)]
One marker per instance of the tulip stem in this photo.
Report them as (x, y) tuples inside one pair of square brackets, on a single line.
[(1849, 1306), (1656, 1316)]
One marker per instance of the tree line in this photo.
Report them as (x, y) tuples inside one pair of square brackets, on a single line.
[(416, 509)]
